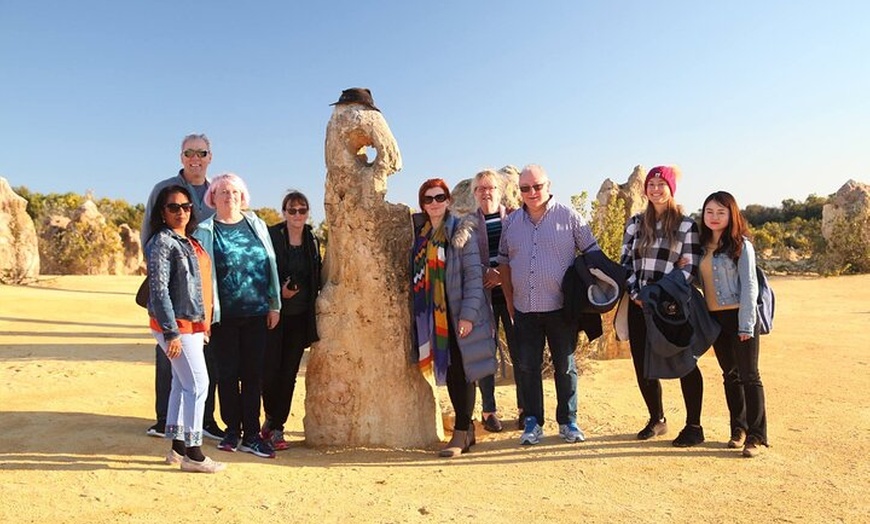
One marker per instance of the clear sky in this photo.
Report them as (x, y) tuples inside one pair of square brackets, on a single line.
[(766, 99)]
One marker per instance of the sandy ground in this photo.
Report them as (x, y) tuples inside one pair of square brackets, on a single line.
[(76, 395)]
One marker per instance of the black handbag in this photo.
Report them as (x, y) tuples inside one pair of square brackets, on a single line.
[(143, 294)]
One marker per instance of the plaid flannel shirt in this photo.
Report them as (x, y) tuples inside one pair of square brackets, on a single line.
[(658, 260)]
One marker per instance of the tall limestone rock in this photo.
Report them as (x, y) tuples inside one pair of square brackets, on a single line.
[(362, 387), (19, 249)]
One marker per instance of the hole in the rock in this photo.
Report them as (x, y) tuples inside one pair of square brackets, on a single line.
[(371, 154)]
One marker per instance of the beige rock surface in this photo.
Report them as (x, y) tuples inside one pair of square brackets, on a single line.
[(76, 395), (365, 390), (19, 250)]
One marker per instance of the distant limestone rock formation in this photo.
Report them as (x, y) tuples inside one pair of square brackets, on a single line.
[(19, 249), (132, 262), (851, 203), (631, 192), (82, 245), (362, 387)]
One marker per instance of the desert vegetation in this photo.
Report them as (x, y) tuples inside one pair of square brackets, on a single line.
[(788, 237)]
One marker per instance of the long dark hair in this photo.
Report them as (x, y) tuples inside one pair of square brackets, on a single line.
[(731, 241), (156, 221)]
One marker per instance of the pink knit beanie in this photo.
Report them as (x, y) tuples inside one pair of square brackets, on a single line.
[(666, 173)]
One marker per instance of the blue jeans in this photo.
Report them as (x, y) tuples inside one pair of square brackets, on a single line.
[(532, 330), (163, 385), (186, 404), (487, 384)]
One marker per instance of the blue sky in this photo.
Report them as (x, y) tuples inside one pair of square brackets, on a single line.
[(768, 100)]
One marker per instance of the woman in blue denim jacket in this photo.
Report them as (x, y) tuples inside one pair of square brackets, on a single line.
[(179, 305), (727, 275)]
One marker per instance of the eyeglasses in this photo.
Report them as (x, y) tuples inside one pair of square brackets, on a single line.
[(481, 189), (441, 197), (201, 153), (175, 208), (293, 210), (536, 187)]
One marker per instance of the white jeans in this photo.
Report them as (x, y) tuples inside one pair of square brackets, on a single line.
[(189, 389)]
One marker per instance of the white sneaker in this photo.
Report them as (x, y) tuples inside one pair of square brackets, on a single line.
[(173, 458), (206, 466)]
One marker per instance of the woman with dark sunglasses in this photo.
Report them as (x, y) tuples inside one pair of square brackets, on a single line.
[(179, 304), (453, 335), (299, 263)]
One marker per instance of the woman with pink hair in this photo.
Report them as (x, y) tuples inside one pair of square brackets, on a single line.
[(246, 298)]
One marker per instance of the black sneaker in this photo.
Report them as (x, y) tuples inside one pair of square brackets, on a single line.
[(690, 436), (157, 430), (653, 428), (259, 447), (213, 431), (229, 443)]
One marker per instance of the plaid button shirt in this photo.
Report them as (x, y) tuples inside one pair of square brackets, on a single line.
[(539, 254), (658, 260)]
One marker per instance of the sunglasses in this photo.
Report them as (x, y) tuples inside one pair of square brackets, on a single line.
[(536, 187), (437, 198), (294, 210), (175, 208), (201, 153)]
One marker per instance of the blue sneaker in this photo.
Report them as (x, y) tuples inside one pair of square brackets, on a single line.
[(259, 447), (571, 433), (533, 433)]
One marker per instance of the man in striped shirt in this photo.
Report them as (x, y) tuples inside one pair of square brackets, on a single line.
[(538, 244)]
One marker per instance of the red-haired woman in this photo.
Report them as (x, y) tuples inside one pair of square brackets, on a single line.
[(452, 317), (727, 272)]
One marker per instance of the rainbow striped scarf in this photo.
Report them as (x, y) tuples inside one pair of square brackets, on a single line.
[(430, 301)]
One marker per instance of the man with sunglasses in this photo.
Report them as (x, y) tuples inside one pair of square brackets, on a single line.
[(195, 158), (538, 244)]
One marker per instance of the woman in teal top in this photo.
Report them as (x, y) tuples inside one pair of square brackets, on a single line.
[(246, 304)]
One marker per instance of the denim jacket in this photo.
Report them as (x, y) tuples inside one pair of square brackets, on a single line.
[(736, 283), (205, 234), (174, 281)]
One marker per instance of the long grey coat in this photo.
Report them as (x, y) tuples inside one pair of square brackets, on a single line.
[(466, 298)]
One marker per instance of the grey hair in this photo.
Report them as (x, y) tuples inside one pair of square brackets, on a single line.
[(195, 136)]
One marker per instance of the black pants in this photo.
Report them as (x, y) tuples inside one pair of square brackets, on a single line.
[(460, 390), (692, 384), (285, 347), (744, 392), (163, 385), (239, 344)]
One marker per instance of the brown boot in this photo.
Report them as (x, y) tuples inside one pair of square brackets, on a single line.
[(457, 446)]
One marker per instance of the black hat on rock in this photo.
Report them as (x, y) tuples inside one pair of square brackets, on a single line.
[(357, 95)]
